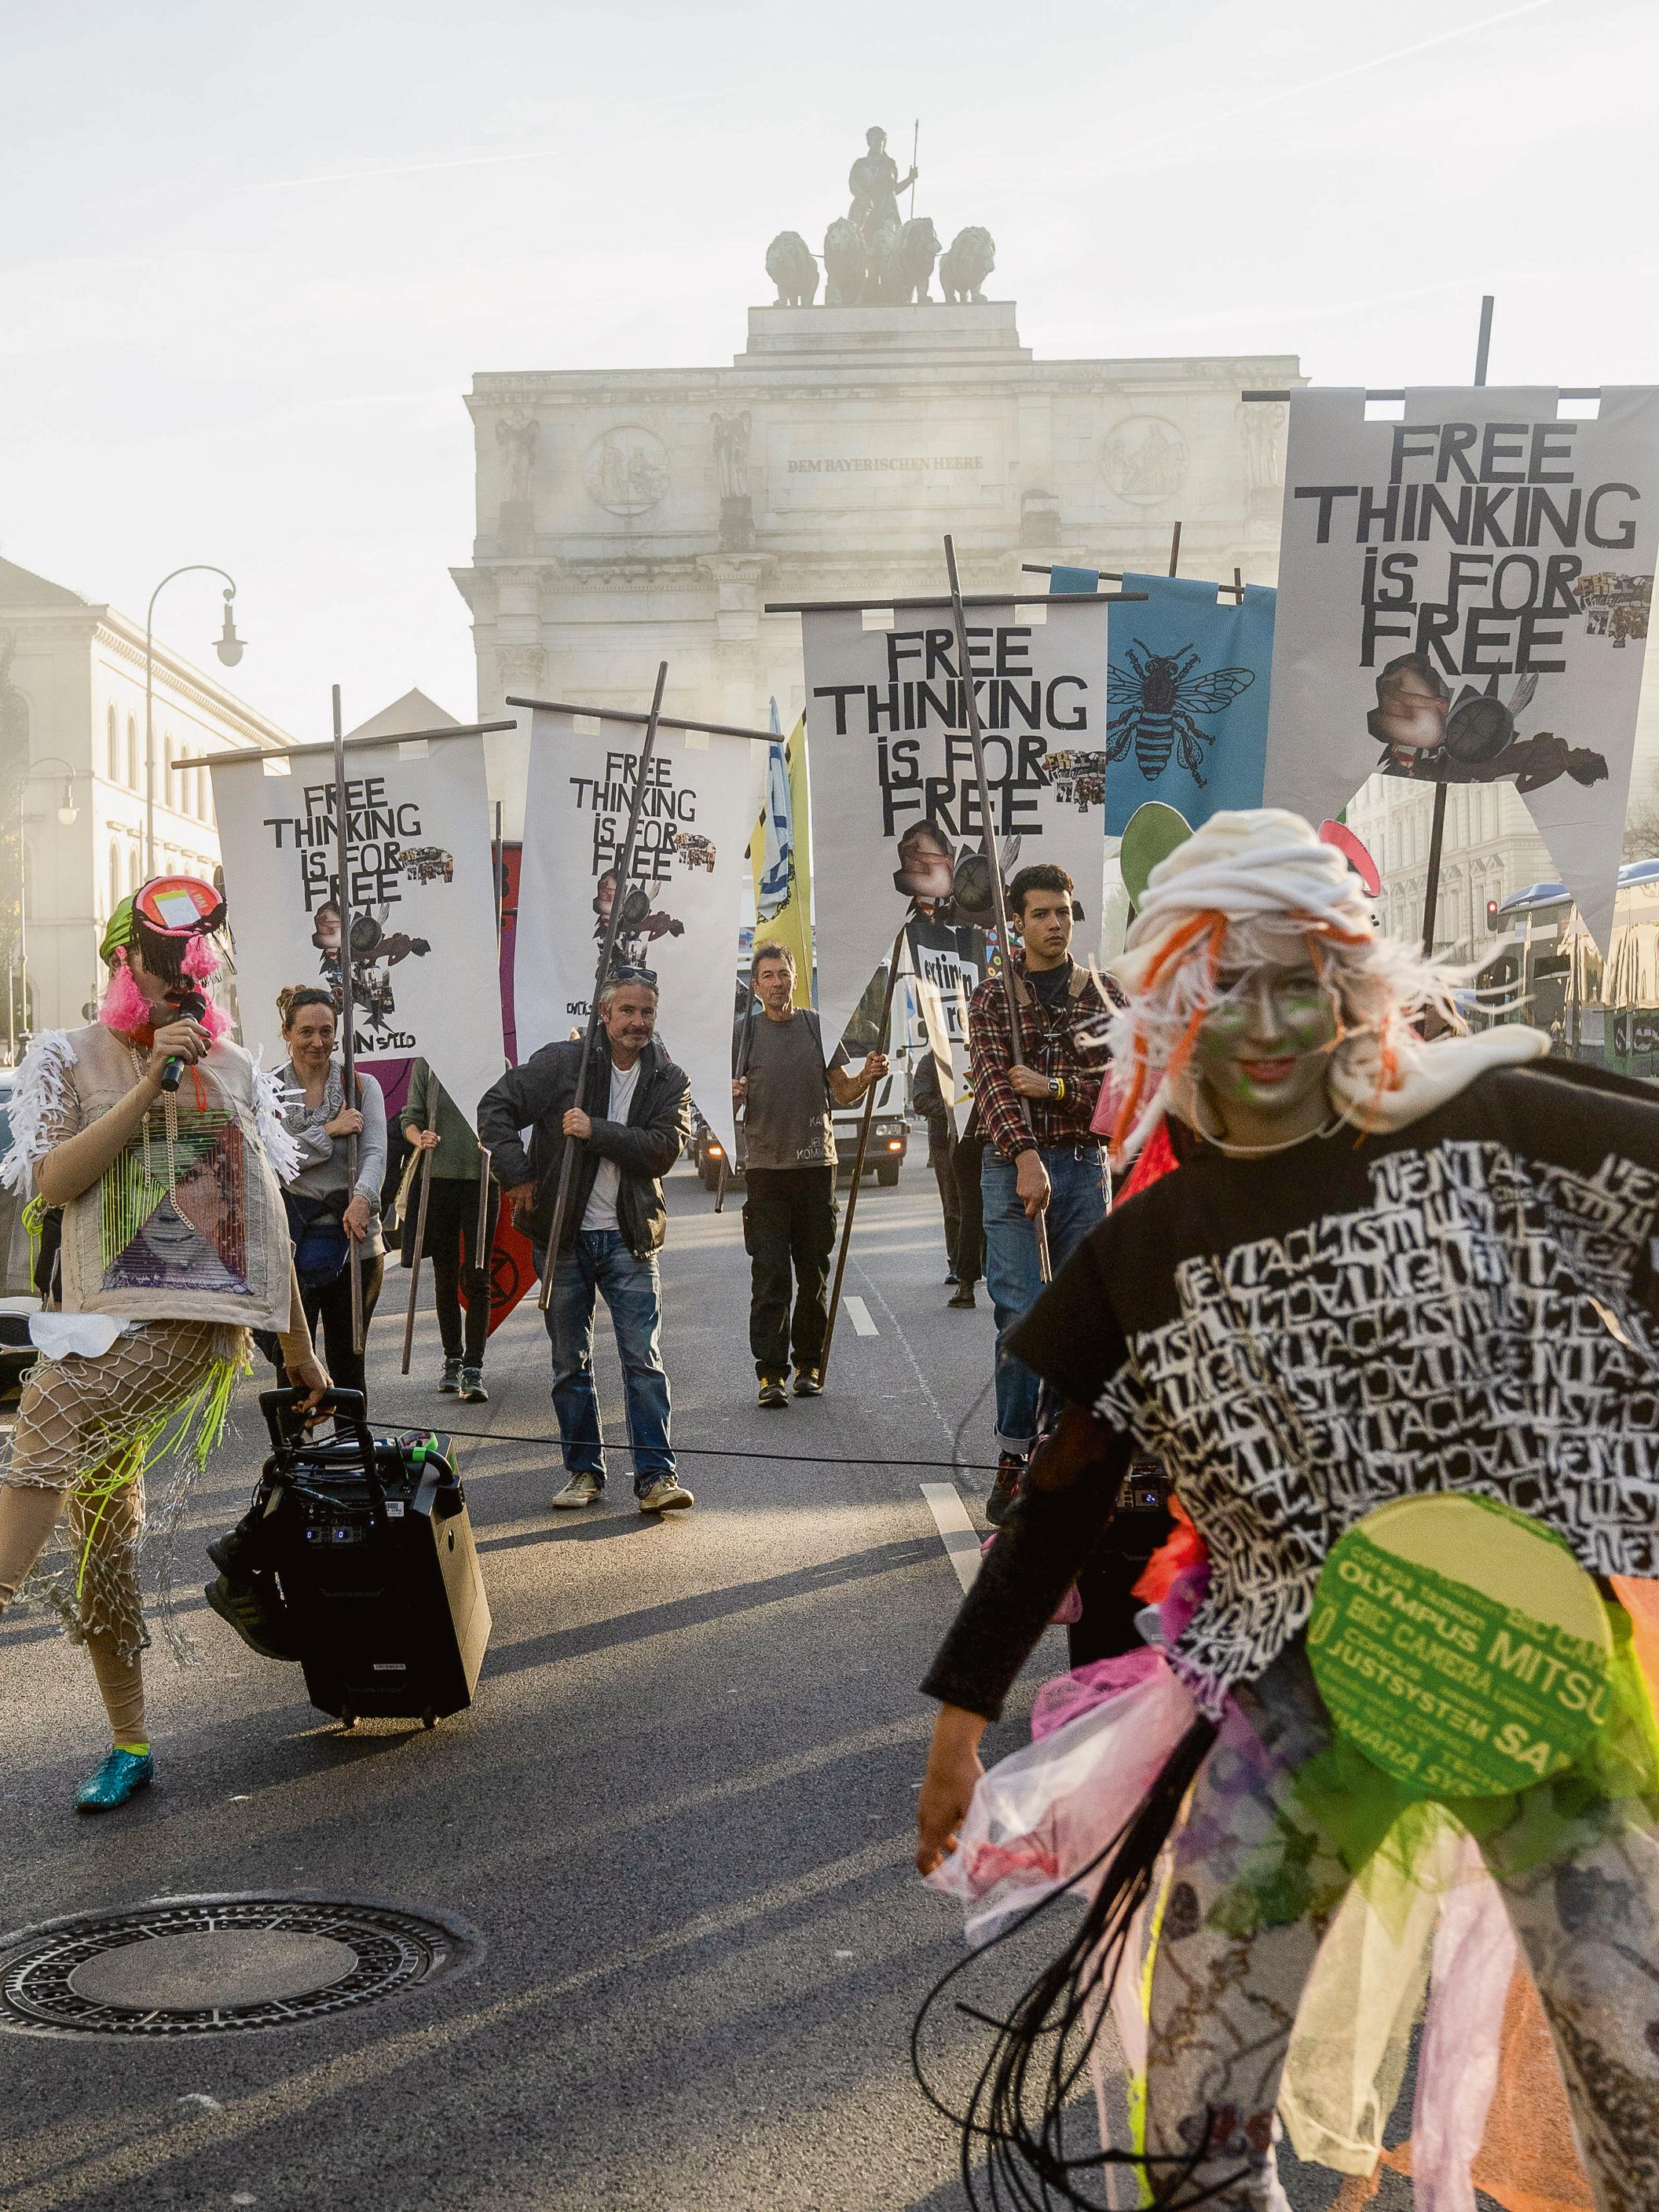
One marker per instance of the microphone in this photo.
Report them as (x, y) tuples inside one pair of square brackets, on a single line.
[(189, 1003)]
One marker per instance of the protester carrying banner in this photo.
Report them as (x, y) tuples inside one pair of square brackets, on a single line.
[(326, 1207), (789, 1174), (452, 1228), (780, 855), (1391, 1328), (161, 1142), (1041, 1155), (631, 1125), (959, 1198)]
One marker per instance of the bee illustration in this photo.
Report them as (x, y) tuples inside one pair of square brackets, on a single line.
[(1159, 695)]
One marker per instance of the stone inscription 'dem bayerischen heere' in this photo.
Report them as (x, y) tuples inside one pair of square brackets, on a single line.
[(813, 464)]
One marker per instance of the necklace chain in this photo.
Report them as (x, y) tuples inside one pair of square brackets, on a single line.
[(1326, 1128)]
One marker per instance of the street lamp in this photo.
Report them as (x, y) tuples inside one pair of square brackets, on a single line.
[(55, 765), (227, 645)]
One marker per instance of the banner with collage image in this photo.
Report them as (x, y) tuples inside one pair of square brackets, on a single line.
[(682, 902), (1463, 598), (419, 881), (896, 820)]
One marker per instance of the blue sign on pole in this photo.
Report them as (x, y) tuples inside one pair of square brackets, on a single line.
[(1187, 699)]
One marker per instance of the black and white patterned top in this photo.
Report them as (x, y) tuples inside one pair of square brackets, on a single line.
[(1468, 1304)]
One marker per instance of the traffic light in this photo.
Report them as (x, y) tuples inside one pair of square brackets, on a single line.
[(1492, 913)]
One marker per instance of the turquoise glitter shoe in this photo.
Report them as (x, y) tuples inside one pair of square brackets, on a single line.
[(122, 1774)]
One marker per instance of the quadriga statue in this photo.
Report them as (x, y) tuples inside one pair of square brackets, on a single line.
[(918, 249), (844, 264), (790, 265), (883, 282), (963, 269)]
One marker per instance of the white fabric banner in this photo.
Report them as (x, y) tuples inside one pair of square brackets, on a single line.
[(1463, 598), (418, 877), (684, 900), (895, 805)]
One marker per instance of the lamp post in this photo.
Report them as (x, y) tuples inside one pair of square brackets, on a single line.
[(227, 645), (55, 765)]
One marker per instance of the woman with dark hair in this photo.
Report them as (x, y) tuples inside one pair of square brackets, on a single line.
[(161, 1143), (326, 1207)]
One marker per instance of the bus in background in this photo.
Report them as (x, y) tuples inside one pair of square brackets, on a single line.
[(1604, 1012)]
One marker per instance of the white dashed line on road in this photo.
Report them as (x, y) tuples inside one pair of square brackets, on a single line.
[(859, 1314), (956, 1532)]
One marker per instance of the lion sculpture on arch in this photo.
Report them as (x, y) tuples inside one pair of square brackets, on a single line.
[(790, 265), (963, 269)]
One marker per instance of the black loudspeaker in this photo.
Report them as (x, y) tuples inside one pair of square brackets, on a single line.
[(372, 1547)]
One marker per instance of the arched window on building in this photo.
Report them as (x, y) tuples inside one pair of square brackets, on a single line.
[(111, 744), (132, 867), (115, 874), (133, 777), (167, 783)]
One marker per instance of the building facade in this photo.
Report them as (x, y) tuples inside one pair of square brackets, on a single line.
[(626, 517), (72, 742)]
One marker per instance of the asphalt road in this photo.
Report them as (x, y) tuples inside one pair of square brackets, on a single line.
[(680, 1816)]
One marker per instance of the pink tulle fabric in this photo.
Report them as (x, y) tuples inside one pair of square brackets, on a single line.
[(125, 1009), (201, 960)]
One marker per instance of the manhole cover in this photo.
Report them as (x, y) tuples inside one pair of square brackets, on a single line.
[(206, 1966)]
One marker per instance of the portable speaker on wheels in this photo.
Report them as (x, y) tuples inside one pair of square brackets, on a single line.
[(373, 1548)]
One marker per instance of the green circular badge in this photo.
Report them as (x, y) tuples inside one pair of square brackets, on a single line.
[(1459, 1646)]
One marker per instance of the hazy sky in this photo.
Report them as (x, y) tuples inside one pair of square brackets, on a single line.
[(251, 258)]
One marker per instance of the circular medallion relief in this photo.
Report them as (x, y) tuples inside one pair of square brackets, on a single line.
[(1144, 460), (626, 469)]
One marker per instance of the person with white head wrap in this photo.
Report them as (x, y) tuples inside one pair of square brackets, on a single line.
[(1392, 1270)]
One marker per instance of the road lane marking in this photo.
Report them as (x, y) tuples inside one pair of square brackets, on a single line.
[(956, 1532), (859, 1314)]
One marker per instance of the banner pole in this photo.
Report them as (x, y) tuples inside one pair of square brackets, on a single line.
[(420, 1221), (881, 1035), (992, 861), (1438, 825), (481, 1257), (348, 1022), (744, 1049), (613, 930)]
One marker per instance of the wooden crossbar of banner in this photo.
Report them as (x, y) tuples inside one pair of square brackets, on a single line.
[(939, 606), (639, 721), (349, 745), (1562, 391), (1234, 590)]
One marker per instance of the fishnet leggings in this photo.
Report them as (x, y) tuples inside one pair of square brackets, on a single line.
[(76, 1419)]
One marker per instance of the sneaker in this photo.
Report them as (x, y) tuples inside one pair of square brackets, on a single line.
[(666, 1495), (963, 1298), (953, 1277), (772, 1391), (580, 1490), (121, 1775), (808, 1382), (473, 1390), (255, 1610), (1005, 1491), (450, 1381)]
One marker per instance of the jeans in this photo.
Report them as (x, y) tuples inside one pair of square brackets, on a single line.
[(788, 1229), (1076, 1177), (599, 1263)]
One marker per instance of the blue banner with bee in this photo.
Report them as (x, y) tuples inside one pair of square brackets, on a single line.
[(1186, 698)]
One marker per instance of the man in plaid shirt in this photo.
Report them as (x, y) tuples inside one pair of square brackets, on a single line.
[(1040, 1156)]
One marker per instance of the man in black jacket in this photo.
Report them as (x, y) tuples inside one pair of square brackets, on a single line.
[(631, 1124)]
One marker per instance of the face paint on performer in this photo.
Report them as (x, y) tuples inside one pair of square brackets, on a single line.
[(1263, 1053)]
